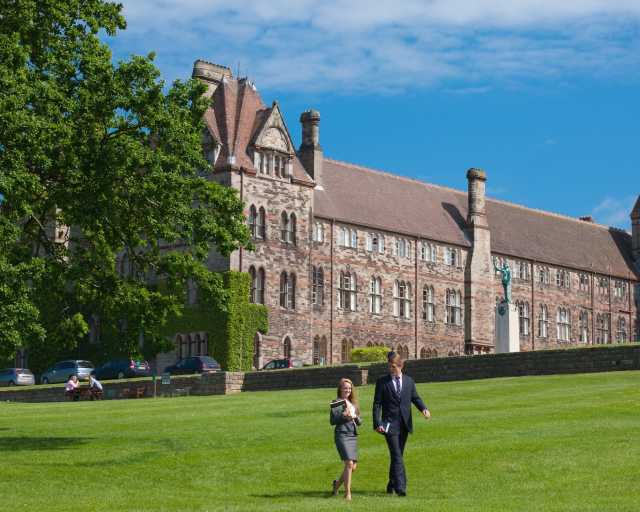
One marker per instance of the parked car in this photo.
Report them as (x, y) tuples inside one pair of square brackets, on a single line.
[(278, 364), (61, 371), (122, 368), (195, 364), (16, 377)]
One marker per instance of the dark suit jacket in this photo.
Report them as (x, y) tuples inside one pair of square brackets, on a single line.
[(389, 408), (343, 425)]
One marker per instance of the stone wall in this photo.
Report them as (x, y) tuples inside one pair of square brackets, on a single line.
[(544, 362), (541, 362)]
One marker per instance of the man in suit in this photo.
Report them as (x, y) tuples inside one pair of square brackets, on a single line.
[(392, 418)]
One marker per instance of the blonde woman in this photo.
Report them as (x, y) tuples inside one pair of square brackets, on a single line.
[(347, 419)]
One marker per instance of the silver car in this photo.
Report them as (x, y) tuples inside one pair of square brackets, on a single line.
[(16, 377), (60, 372)]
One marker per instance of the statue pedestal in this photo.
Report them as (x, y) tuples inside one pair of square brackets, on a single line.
[(507, 328)]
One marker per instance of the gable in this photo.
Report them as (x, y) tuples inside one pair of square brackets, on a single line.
[(273, 133)]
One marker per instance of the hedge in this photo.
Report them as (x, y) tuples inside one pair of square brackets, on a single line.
[(369, 354)]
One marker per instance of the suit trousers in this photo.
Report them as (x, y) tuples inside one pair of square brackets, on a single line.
[(397, 475)]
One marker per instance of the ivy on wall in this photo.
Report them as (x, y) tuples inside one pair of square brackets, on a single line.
[(230, 326)]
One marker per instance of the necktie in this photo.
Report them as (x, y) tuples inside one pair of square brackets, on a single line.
[(398, 389)]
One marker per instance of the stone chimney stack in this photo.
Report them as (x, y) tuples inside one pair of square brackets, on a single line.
[(310, 152), (635, 232), (479, 273), (210, 74), (477, 215)]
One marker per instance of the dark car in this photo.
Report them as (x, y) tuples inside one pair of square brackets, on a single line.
[(16, 377), (278, 364), (122, 368), (195, 364)]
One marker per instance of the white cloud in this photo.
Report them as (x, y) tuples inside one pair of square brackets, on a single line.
[(369, 45), (613, 211)]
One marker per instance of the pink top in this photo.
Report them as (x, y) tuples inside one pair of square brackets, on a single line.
[(71, 386)]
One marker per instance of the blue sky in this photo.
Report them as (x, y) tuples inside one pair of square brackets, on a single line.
[(544, 95)]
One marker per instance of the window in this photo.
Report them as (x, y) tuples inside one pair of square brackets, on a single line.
[(621, 332), (564, 324), (320, 350), (192, 292), (375, 242), (563, 278), (318, 232), (253, 221), (347, 291), (619, 289), (253, 275), (347, 347), (522, 270), (401, 299), (288, 290), (543, 275), (453, 314), (402, 248), (583, 282), (403, 352), (603, 321), (375, 296), (288, 228), (348, 238), (603, 286), (543, 322), (261, 225), (428, 304), (452, 257), (584, 327), (523, 317), (317, 286), (428, 252)]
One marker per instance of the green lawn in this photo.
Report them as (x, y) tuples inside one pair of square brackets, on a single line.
[(522, 444)]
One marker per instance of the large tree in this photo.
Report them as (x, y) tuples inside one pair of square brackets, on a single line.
[(109, 151)]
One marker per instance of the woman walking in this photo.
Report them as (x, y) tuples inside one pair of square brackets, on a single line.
[(345, 415)]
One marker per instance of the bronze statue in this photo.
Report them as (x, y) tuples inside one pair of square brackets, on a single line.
[(506, 280)]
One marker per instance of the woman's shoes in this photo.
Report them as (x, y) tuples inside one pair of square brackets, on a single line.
[(347, 497), (336, 486)]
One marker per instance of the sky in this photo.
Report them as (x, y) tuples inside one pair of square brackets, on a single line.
[(544, 95)]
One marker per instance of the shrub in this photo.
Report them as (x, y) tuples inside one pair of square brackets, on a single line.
[(369, 354)]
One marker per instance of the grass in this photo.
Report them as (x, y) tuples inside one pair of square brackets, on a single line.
[(566, 443)]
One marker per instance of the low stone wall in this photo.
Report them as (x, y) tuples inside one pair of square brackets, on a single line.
[(544, 362), (135, 388), (303, 378)]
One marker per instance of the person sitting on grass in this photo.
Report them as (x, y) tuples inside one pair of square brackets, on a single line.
[(95, 388), (72, 388)]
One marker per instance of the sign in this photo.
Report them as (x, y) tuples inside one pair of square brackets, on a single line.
[(166, 378)]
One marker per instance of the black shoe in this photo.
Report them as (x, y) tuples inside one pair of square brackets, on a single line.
[(389, 488), (401, 493)]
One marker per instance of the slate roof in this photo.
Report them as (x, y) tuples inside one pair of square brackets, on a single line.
[(238, 113), (377, 199), (366, 197)]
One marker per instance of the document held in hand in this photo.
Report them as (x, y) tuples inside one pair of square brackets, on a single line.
[(339, 403)]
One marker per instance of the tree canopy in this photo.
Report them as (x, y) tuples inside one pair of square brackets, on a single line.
[(106, 212)]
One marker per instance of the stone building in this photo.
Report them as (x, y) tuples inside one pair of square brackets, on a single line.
[(347, 256)]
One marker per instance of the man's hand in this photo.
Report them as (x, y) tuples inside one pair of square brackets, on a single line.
[(380, 429), (426, 414)]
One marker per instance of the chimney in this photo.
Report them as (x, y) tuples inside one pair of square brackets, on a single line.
[(635, 232), (210, 74), (310, 152), (479, 298), (477, 215)]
